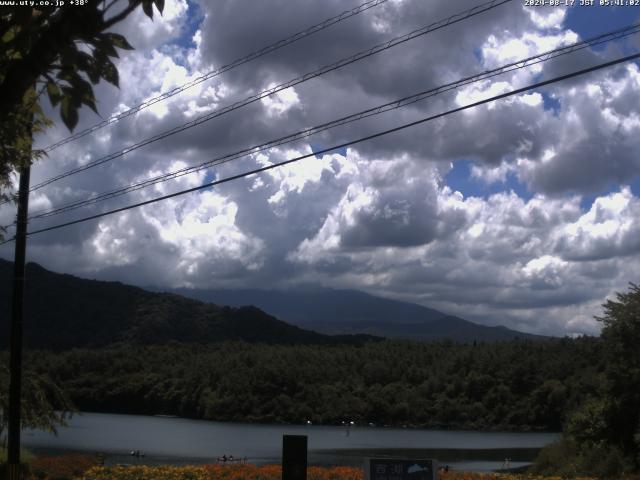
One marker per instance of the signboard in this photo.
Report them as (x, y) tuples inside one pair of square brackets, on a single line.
[(294, 457), (399, 469)]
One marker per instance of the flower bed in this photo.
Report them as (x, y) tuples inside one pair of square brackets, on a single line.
[(61, 467), (83, 467), (215, 472)]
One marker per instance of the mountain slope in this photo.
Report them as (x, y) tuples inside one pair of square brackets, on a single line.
[(63, 311), (349, 311)]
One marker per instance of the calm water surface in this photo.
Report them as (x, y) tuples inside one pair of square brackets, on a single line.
[(179, 441)]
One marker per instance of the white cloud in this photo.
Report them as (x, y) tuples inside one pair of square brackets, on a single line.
[(277, 104), (594, 138), (144, 33), (383, 218), (507, 48), (552, 17), (609, 229)]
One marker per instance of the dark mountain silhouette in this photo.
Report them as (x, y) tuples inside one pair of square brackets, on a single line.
[(63, 311), (350, 311)]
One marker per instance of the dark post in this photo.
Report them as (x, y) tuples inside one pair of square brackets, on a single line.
[(294, 457), (15, 362)]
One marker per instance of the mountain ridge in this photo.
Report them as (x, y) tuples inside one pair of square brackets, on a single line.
[(333, 311), (63, 311)]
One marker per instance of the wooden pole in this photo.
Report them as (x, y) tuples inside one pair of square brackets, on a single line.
[(17, 308)]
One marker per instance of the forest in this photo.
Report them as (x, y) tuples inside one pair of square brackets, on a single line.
[(518, 385)]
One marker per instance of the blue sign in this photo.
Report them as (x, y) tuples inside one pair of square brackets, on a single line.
[(399, 469)]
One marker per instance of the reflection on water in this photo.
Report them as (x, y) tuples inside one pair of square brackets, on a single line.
[(180, 441), (461, 459)]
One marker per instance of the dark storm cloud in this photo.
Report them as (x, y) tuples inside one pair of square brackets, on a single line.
[(414, 66)]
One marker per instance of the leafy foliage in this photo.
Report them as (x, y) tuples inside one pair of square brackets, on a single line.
[(44, 404), (570, 459), (602, 434), (621, 335), (16, 130), (512, 385), (62, 51), (67, 49)]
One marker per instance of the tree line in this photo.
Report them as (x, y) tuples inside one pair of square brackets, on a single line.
[(587, 387), (521, 385)]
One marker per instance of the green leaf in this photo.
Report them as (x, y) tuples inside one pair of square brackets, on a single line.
[(118, 41), (69, 56), (104, 46), (110, 73), (69, 112), (54, 93), (80, 86), (159, 5), (82, 93), (100, 59), (93, 72), (91, 103), (88, 65), (147, 6)]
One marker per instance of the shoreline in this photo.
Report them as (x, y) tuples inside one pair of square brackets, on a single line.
[(120, 458)]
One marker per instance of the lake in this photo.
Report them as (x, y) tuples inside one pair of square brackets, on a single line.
[(181, 441)]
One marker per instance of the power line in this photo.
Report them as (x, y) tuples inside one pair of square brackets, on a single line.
[(218, 71), (403, 102), (270, 91), (343, 145)]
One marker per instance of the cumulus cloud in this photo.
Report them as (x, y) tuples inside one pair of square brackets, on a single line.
[(380, 216), (596, 137), (608, 230)]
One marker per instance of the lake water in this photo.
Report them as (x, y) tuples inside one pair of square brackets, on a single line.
[(180, 441)]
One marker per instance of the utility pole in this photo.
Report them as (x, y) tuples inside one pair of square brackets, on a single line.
[(17, 308)]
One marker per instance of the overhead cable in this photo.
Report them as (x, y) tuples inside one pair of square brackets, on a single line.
[(340, 146), (220, 70), (403, 102), (278, 88)]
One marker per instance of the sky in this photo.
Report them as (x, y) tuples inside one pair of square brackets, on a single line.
[(520, 212)]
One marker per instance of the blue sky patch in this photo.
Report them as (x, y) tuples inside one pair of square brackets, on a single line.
[(550, 103), (588, 199), (635, 186), (210, 176), (477, 52), (460, 179), (589, 21), (194, 19)]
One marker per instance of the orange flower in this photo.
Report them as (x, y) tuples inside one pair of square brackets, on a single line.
[(61, 466)]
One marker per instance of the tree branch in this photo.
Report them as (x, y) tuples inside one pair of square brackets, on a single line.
[(121, 16), (111, 4)]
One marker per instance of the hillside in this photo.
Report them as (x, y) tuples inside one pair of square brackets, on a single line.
[(350, 311), (520, 384), (63, 311)]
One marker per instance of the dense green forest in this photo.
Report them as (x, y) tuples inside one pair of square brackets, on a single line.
[(512, 385)]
